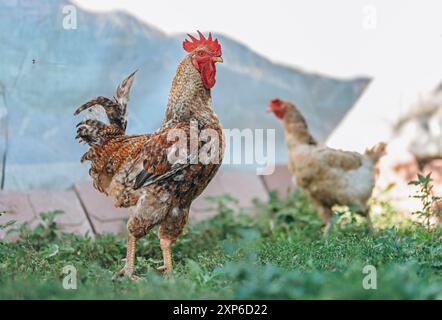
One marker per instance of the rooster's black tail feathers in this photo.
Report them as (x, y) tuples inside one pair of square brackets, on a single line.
[(92, 131)]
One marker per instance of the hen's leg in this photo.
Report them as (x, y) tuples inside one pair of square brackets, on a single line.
[(366, 213), (324, 211), (326, 215), (328, 227), (168, 232), (364, 210), (370, 224)]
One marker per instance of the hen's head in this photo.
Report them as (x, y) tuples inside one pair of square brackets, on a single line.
[(204, 53), (278, 107)]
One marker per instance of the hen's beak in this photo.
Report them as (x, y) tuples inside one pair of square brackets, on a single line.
[(217, 59), (269, 109)]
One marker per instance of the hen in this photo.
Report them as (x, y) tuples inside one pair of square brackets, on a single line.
[(328, 176), (158, 175)]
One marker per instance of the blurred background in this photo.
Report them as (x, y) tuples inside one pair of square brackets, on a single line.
[(360, 71)]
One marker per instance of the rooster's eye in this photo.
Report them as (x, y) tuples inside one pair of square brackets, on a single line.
[(201, 53)]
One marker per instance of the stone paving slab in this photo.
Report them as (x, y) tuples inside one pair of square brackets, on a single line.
[(244, 186), (74, 218), (103, 215), (241, 185), (27, 206), (87, 210), (280, 180), (105, 218), (16, 207)]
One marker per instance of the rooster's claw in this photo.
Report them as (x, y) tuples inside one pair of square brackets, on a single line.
[(164, 270), (126, 273)]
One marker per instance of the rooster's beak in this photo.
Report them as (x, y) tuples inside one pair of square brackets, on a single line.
[(269, 109), (217, 59)]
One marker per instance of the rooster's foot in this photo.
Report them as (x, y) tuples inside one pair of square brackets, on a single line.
[(164, 270), (126, 272)]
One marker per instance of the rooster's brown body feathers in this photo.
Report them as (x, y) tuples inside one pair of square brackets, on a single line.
[(136, 170)]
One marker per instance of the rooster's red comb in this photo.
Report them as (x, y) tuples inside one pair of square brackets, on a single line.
[(210, 44)]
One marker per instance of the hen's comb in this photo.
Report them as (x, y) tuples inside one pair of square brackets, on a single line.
[(276, 102), (209, 43)]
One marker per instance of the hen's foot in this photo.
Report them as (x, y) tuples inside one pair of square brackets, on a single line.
[(370, 226)]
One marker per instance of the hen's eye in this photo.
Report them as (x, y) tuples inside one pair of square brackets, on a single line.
[(200, 53)]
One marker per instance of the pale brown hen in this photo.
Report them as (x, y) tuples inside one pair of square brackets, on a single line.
[(328, 176), (158, 175)]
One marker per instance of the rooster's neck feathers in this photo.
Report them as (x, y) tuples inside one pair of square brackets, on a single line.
[(188, 98)]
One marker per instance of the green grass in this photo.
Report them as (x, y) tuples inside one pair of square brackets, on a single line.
[(278, 252)]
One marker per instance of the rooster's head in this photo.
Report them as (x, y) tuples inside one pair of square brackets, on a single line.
[(204, 53)]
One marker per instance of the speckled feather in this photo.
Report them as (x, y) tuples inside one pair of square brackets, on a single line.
[(96, 132)]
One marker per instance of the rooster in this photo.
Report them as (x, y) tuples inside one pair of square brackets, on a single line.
[(328, 176), (143, 172)]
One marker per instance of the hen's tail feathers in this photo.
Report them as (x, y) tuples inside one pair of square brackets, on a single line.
[(376, 152), (93, 131)]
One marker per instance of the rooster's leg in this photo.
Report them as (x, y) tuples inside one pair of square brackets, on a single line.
[(168, 232), (129, 266), (166, 248), (137, 228)]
